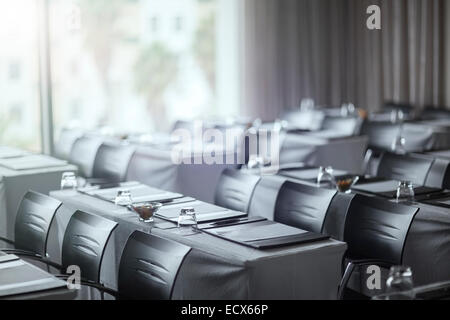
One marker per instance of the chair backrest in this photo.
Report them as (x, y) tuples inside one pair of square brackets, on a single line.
[(413, 168), (439, 175), (381, 134), (153, 167), (66, 140), (112, 161), (84, 243), (149, 267), (303, 206), (33, 221), (234, 189), (84, 152), (377, 229), (342, 125), (264, 198), (334, 224)]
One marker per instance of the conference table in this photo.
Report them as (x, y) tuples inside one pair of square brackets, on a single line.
[(21, 171), (20, 280), (215, 268)]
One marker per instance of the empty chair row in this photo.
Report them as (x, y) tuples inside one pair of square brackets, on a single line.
[(148, 265), (385, 232)]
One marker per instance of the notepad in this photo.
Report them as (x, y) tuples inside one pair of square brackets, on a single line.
[(139, 193), (388, 188), (265, 234), (309, 174), (31, 162), (19, 277), (205, 212)]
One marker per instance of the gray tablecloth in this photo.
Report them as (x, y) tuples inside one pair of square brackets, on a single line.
[(15, 183), (215, 268)]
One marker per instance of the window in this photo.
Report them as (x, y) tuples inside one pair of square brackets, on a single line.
[(154, 24), (19, 84), (178, 24), (14, 71), (135, 70)]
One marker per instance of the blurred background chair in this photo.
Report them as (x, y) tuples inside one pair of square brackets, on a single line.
[(84, 152), (67, 138), (412, 168), (235, 189), (111, 163)]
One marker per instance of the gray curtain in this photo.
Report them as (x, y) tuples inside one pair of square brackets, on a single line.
[(294, 49)]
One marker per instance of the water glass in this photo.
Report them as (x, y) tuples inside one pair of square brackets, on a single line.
[(399, 285), (69, 181), (405, 191), (255, 162), (398, 145), (344, 110), (325, 175), (123, 198), (187, 218)]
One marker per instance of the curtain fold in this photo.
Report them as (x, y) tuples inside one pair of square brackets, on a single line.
[(294, 49)]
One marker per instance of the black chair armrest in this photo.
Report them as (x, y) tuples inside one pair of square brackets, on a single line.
[(92, 284), (101, 288), (20, 252), (6, 241), (351, 267)]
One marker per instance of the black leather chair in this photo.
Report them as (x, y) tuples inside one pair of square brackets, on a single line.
[(84, 152), (439, 174), (33, 220), (67, 139), (111, 163), (342, 125), (413, 168), (149, 267), (381, 134), (375, 233), (235, 190), (303, 206), (406, 108), (84, 244)]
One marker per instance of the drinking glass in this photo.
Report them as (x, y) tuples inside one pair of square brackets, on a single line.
[(399, 285), (255, 162), (69, 181), (397, 116), (398, 145), (344, 110), (405, 191), (123, 198), (325, 175), (187, 218)]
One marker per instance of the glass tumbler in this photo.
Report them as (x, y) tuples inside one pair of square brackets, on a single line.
[(69, 181), (187, 218), (325, 175), (123, 198), (399, 285), (405, 191)]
